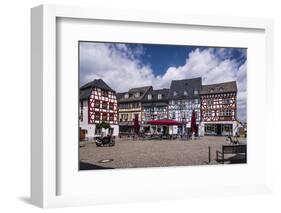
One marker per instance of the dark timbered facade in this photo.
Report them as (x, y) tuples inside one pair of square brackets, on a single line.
[(155, 105), (184, 97)]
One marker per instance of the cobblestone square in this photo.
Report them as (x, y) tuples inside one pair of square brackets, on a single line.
[(128, 153)]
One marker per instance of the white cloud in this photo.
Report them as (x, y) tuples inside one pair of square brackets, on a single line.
[(121, 68)]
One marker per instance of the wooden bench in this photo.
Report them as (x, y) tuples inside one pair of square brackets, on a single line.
[(231, 149)]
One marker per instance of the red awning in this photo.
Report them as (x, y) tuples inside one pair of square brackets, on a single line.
[(163, 122)]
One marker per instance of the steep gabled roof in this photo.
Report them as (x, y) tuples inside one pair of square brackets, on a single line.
[(85, 90), (97, 83), (154, 93), (120, 95), (219, 88), (181, 89), (132, 94)]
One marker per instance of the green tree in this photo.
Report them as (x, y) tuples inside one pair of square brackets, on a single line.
[(103, 125)]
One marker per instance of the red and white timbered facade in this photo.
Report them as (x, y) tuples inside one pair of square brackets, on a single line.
[(219, 109), (98, 103), (102, 107)]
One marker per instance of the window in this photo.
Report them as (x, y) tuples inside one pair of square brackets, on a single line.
[(211, 90), (196, 101), (210, 102), (124, 117), (220, 89), (195, 92), (137, 94), (175, 93), (226, 112), (81, 111), (226, 101), (97, 131), (208, 113), (159, 96), (126, 95), (104, 105), (174, 115), (104, 93), (97, 116), (185, 93), (111, 106), (111, 117), (149, 97), (104, 116), (97, 104)]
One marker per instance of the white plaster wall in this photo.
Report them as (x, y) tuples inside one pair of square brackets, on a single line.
[(85, 113), (173, 130)]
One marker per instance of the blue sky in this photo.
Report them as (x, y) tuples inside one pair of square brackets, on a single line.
[(123, 66), (161, 57)]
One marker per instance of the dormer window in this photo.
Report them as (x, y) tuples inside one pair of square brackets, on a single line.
[(211, 90), (195, 92), (149, 97), (126, 95), (175, 93), (185, 93), (137, 94), (220, 89), (159, 96)]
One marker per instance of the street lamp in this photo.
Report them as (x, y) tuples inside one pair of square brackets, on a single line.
[(184, 125)]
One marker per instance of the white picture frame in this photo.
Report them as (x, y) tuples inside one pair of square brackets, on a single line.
[(44, 148)]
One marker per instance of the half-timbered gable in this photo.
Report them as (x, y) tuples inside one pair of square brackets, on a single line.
[(98, 103), (184, 97), (130, 107), (218, 102), (219, 108), (155, 105)]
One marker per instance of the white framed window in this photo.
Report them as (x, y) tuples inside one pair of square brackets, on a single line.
[(159, 96), (175, 93), (208, 113), (126, 95), (149, 97), (185, 92), (195, 92), (137, 94)]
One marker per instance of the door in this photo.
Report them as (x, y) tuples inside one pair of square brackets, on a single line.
[(218, 129)]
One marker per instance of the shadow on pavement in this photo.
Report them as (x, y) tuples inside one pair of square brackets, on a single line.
[(89, 166)]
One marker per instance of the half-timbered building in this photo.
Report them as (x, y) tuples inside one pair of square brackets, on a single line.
[(98, 104), (219, 109), (130, 108), (155, 105), (184, 97)]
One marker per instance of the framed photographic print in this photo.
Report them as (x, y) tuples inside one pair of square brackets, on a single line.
[(149, 106)]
